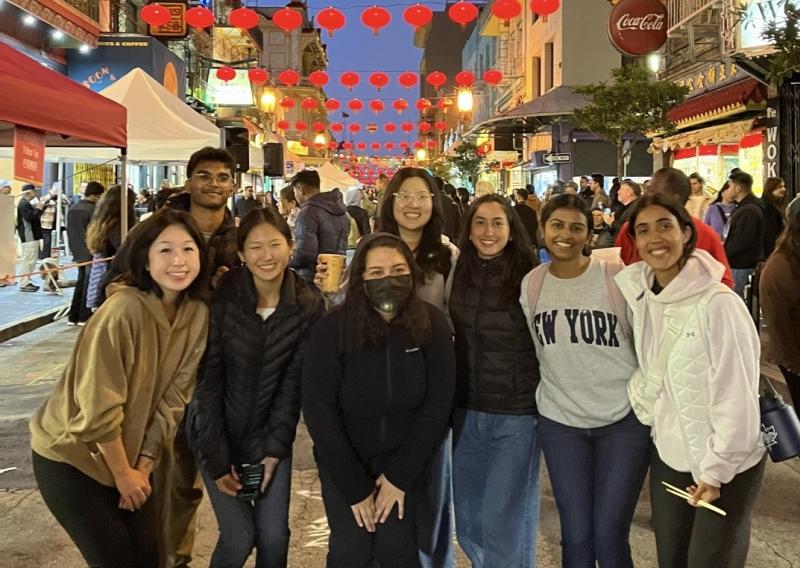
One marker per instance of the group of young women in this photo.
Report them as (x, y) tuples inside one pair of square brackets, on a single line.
[(607, 370)]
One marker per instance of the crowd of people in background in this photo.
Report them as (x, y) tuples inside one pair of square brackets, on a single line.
[(466, 336)]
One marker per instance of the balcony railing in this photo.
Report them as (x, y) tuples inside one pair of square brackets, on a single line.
[(681, 10), (89, 7)]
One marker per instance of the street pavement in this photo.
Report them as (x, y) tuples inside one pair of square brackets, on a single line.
[(32, 363)]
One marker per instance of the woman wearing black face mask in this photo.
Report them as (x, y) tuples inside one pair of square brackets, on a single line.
[(378, 387)]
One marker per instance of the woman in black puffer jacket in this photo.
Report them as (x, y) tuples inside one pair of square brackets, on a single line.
[(247, 401), (495, 451)]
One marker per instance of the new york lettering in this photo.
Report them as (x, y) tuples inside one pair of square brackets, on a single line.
[(591, 327)]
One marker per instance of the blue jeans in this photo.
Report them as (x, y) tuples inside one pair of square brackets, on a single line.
[(262, 524), (435, 517), (496, 488), (597, 474), (741, 276)]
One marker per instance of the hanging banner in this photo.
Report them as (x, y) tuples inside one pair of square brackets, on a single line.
[(29, 155), (771, 140)]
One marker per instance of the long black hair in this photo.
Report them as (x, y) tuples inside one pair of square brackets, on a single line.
[(517, 257), (432, 255), (363, 324), (670, 203)]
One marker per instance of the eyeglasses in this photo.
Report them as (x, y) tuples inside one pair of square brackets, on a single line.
[(405, 198), (206, 179)]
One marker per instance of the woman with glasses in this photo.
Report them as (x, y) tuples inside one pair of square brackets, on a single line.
[(413, 211)]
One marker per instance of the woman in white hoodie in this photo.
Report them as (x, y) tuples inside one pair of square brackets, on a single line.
[(697, 386)]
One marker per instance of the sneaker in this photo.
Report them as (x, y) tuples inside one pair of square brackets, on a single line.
[(81, 323), (29, 288), (71, 323)]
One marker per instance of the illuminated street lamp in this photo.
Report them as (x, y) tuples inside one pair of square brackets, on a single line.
[(319, 139), (464, 101), (268, 100), (421, 155)]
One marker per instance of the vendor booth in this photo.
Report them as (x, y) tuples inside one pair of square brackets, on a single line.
[(332, 177)]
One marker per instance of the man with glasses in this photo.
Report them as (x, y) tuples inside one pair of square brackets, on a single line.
[(322, 224), (177, 486)]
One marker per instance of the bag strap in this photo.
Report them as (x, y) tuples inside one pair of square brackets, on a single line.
[(674, 330)]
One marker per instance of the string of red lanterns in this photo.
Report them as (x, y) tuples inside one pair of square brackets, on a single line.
[(332, 19)]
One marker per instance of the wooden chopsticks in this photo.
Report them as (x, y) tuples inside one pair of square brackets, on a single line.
[(700, 503)]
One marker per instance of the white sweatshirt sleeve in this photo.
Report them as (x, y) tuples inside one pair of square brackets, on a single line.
[(733, 389)]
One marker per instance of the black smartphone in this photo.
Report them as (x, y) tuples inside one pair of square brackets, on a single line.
[(250, 476)]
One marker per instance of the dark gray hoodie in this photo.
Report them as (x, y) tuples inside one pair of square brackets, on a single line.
[(322, 228)]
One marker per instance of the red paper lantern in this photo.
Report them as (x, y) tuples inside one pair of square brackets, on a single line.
[(308, 103), (283, 125), (372, 128), (289, 77), (226, 73), (389, 145), (330, 19), (347, 145), (418, 16), (545, 7), (318, 78), (390, 127), (319, 145), (440, 125), (336, 127), (376, 18), (379, 80), (506, 9), (332, 104), (258, 76), (423, 105), (301, 125), (431, 143), (333, 144), (418, 144), (304, 143), (349, 79), (361, 145), (198, 17), (376, 145), (493, 76), (407, 127), (376, 105), (244, 18), (287, 102), (464, 79), (403, 145), (400, 105), (318, 127), (355, 128), (462, 12), (355, 105), (425, 127), (287, 19), (436, 79), (407, 79), (154, 14)]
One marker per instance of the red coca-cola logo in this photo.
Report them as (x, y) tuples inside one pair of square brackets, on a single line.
[(638, 27)]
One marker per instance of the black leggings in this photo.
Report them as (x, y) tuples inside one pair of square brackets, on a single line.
[(107, 536)]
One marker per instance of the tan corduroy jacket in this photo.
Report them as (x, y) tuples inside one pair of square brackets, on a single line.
[(131, 374)]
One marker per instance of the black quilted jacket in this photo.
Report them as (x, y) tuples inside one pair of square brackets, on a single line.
[(497, 369), (247, 401)]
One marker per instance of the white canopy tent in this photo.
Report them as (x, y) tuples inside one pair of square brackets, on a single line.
[(332, 177), (161, 127)]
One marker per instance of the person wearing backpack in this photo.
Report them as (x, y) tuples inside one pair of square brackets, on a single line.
[(696, 386)]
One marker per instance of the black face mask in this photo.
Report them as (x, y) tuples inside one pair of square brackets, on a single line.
[(388, 294)]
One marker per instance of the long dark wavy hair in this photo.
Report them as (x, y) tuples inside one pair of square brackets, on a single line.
[(106, 219), (363, 324), (770, 185), (432, 255), (789, 241), (518, 258)]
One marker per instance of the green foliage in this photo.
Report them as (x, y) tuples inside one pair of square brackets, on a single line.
[(631, 103), (782, 32), (467, 160)]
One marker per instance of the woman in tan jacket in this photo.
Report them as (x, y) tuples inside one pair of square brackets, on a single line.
[(98, 436)]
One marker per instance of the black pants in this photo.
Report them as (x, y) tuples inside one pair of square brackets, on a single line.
[(793, 382), (392, 545), (106, 536), (688, 537), (78, 311), (47, 237)]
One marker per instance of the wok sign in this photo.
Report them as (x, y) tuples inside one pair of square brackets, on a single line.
[(29, 155)]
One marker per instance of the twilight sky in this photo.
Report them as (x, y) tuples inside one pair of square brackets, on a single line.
[(355, 48)]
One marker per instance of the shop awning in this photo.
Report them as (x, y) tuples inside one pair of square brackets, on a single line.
[(729, 133), (719, 103), (69, 113)]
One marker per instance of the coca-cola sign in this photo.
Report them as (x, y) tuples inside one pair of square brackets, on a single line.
[(638, 27)]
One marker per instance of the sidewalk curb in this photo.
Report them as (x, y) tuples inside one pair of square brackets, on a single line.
[(20, 327)]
